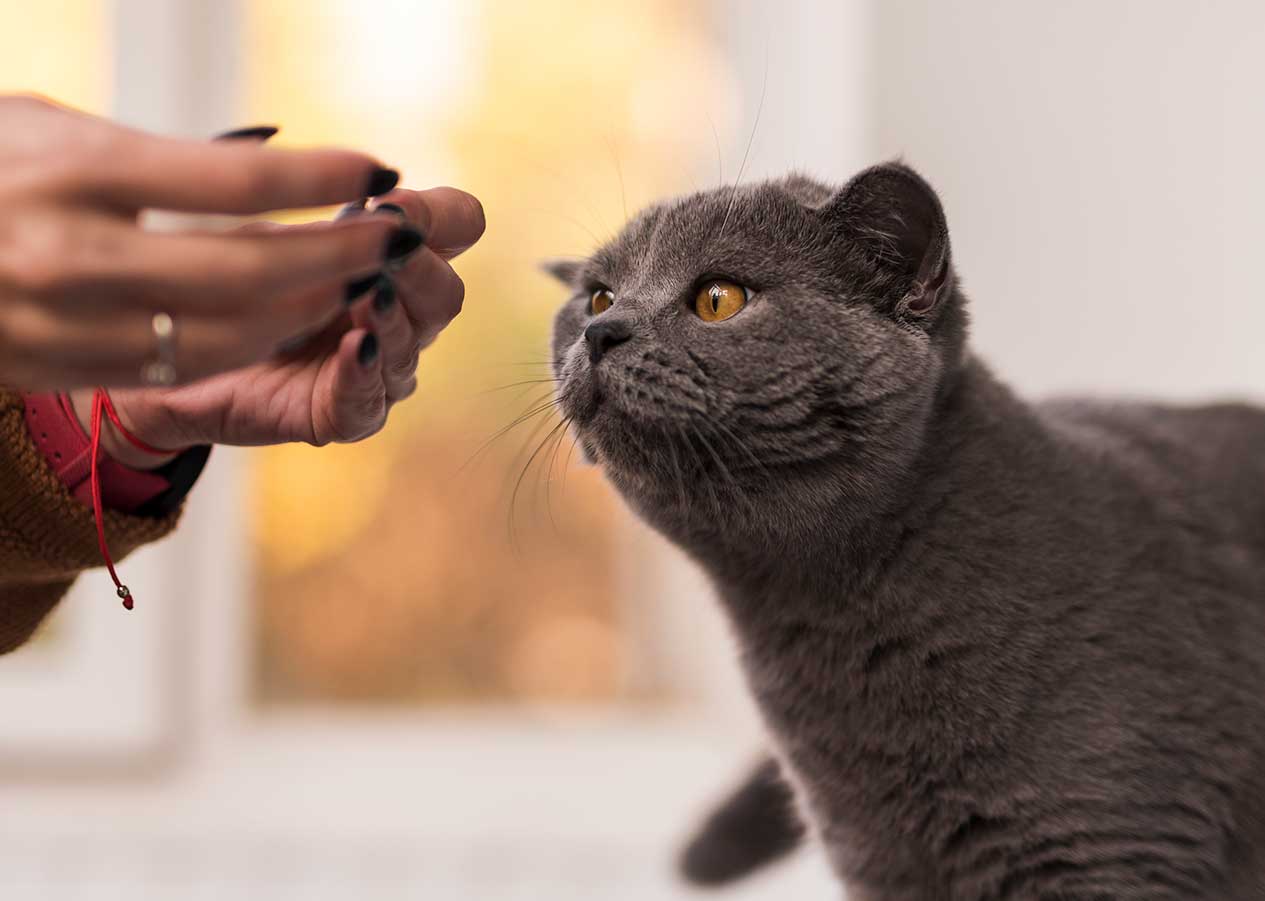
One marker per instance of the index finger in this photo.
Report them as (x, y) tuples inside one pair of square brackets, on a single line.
[(451, 219), (234, 178)]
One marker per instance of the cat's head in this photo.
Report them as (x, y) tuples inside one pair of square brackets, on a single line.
[(783, 340)]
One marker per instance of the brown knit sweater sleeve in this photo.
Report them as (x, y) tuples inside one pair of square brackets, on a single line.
[(47, 537)]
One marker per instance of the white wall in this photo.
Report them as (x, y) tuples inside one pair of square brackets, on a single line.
[(1101, 167)]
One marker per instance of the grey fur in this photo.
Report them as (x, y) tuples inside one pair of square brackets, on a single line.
[(1005, 650)]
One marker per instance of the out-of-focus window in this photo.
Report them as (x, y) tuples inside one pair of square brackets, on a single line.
[(57, 48), (429, 564)]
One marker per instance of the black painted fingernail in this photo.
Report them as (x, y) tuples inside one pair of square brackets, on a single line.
[(381, 181), (384, 300), (368, 351), (351, 210), (391, 208), (403, 241), (358, 288), (259, 133)]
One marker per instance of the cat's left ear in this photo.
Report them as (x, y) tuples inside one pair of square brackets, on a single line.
[(564, 270), (895, 217)]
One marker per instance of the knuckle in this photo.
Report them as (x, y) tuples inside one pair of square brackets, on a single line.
[(372, 410), (36, 275), (403, 370), (26, 336), (454, 297), (40, 257), (405, 390), (251, 268), (28, 101), (325, 433), (58, 146), (360, 419)]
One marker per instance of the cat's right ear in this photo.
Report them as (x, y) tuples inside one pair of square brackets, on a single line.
[(563, 269), (897, 221)]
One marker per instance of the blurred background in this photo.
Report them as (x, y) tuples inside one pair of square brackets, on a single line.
[(435, 666)]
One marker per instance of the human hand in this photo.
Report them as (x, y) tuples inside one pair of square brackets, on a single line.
[(81, 282), (340, 384)]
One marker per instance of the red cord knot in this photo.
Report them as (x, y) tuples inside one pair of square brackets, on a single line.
[(101, 404)]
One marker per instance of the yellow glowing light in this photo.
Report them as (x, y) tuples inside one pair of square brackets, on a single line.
[(59, 49), (518, 103)]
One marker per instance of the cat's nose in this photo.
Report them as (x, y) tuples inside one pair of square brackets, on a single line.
[(603, 334)]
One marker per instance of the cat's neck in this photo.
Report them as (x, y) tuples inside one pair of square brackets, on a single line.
[(843, 542)]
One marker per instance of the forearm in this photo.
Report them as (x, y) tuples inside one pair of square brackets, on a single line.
[(47, 533)]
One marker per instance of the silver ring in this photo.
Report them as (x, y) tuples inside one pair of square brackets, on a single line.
[(162, 369)]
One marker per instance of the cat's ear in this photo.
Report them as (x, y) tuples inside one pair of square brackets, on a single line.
[(895, 217), (565, 270)]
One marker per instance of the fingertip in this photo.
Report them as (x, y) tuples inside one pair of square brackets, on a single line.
[(393, 208), (368, 351), (475, 215), (384, 297), (351, 210), (355, 405), (359, 361), (402, 243), (360, 287), (458, 220), (381, 181), (280, 178)]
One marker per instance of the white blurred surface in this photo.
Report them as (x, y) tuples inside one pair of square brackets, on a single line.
[(431, 807)]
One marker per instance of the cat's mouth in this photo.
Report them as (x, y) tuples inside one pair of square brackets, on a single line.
[(624, 426), (595, 402), (617, 397), (583, 412), (581, 398)]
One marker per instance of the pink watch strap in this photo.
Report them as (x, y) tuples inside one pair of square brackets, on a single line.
[(57, 433)]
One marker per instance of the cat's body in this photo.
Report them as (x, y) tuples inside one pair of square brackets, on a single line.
[(1077, 720), (1004, 650)]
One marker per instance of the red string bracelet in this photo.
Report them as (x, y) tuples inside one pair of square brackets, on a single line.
[(101, 403)]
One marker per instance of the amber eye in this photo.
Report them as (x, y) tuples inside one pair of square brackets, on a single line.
[(601, 300), (717, 300)]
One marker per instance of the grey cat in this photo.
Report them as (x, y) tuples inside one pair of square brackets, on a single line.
[(1004, 650)]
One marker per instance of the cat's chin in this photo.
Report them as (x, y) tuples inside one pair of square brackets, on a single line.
[(630, 453), (611, 435), (581, 401)]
